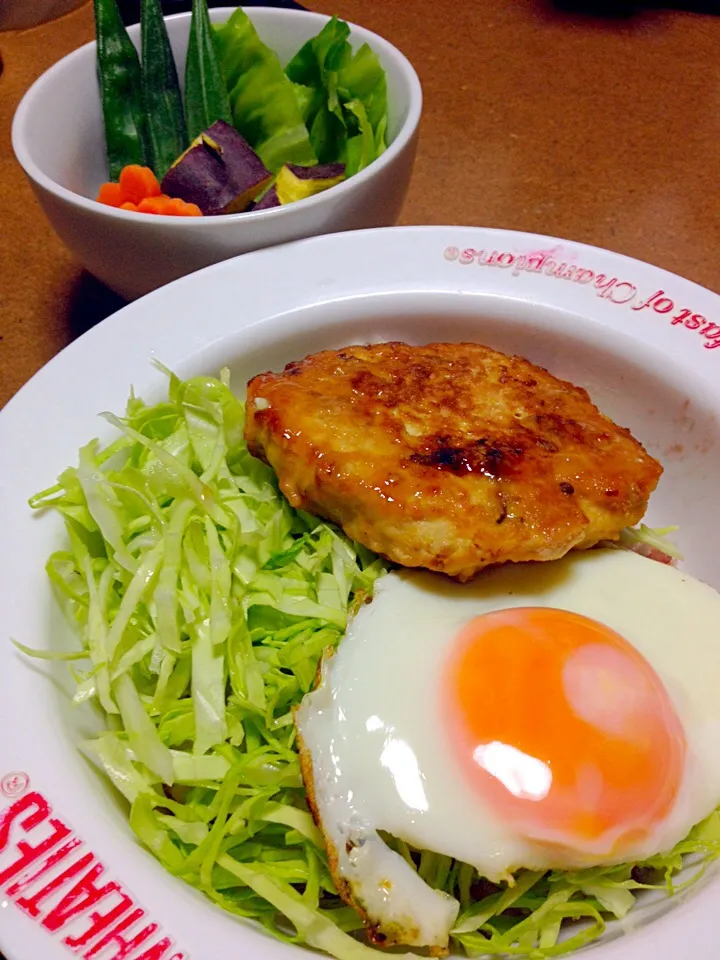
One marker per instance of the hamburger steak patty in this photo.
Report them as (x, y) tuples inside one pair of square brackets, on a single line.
[(449, 456)]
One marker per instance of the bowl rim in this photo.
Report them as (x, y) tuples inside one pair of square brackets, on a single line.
[(217, 14)]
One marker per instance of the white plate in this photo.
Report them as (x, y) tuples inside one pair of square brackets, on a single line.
[(644, 342)]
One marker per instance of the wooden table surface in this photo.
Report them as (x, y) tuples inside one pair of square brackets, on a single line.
[(602, 131)]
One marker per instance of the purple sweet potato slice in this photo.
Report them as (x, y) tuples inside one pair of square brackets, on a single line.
[(270, 200), (321, 171), (219, 171)]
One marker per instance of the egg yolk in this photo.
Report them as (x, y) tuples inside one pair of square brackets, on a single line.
[(564, 728)]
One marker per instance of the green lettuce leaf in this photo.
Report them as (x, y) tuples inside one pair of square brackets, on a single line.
[(361, 146), (347, 115), (328, 106), (363, 78), (363, 89), (316, 68), (265, 107)]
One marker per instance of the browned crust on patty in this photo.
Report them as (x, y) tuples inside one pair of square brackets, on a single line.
[(448, 456)]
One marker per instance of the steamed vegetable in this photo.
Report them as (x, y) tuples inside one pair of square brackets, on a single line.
[(164, 206), (118, 69), (111, 195), (269, 199), (134, 184), (162, 99), (296, 183), (265, 108), (137, 183), (327, 109), (219, 172), (347, 112), (315, 67), (139, 191), (364, 83), (206, 97), (204, 602), (362, 147)]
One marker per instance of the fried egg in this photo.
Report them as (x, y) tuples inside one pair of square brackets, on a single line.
[(545, 716)]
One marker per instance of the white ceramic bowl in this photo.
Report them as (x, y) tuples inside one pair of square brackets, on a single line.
[(646, 345), (58, 139)]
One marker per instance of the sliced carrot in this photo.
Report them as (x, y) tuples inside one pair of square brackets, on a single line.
[(110, 194), (169, 207), (139, 191), (181, 208), (126, 195), (138, 182), (159, 205)]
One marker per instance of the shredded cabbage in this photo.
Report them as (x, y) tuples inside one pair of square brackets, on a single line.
[(204, 603), (650, 542)]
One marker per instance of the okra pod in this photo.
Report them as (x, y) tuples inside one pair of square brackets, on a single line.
[(119, 76), (206, 99), (166, 131)]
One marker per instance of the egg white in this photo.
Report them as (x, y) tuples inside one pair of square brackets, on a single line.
[(378, 744)]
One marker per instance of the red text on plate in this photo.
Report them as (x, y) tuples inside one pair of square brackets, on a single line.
[(612, 289), (54, 879)]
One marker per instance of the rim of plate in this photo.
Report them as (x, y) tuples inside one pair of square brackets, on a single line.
[(44, 783)]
